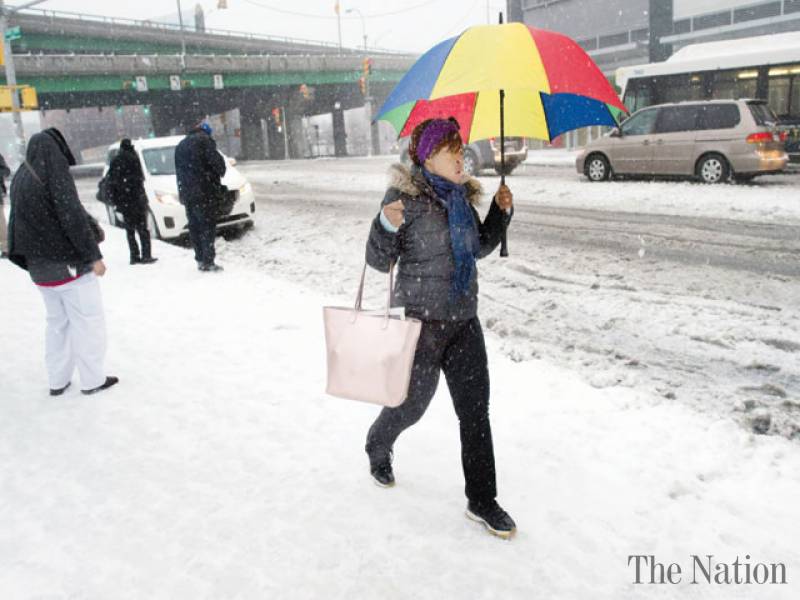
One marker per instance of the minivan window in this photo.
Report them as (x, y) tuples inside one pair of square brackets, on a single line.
[(640, 124), (672, 119), (719, 116), (762, 113)]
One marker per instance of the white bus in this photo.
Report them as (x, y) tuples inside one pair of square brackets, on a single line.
[(765, 67)]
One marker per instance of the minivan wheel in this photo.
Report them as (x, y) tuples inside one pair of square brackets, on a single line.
[(713, 168), (470, 162), (597, 168)]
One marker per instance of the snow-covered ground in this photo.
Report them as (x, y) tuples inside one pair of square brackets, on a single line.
[(218, 468)]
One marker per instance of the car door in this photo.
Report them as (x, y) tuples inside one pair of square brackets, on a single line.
[(674, 140), (630, 148)]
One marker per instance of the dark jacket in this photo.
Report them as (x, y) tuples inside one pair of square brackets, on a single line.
[(199, 168), (4, 172), (125, 184), (47, 218), (422, 248)]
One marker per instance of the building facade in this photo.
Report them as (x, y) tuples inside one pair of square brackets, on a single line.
[(618, 33)]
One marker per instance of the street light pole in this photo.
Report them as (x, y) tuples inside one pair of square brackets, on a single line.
[(11, 76), (183, 37), (363, 24)]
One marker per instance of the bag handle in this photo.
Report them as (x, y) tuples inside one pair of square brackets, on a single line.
[(360, 294)]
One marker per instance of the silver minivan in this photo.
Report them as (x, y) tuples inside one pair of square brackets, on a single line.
[(712, 140)]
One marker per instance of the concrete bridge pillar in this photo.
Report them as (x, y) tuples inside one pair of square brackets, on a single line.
[(339, 131), (297, 136), (254, 146)]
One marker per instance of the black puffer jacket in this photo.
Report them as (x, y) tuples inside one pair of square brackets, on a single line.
[(423, 251), (199, 168), (47, 218), (126, 182)]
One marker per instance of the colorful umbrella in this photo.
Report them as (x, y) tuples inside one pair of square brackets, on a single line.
[(551, 85), (504, 80)]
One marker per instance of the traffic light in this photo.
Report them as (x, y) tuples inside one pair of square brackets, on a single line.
[(362, 83), (304, 91), (28, 99), (276, 117), (367, 67)]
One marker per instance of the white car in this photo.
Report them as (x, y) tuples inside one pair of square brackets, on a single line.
[(167, 216)]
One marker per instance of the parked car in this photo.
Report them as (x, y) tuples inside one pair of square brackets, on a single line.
[(167, 218), (712, 140), (483, 154)]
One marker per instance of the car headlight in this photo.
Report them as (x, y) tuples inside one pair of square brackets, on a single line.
[(246, 189), (167, 198)]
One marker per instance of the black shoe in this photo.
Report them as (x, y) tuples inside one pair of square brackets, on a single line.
[(380, 465), (59, 391), (497, 521), (148, 260), (382, 475), (211, 267), (135, 260), (108, 383)]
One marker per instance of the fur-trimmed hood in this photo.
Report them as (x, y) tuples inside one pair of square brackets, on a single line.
[(412, 182)]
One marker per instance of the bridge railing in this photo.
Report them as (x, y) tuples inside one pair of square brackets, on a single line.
[(174, 28)]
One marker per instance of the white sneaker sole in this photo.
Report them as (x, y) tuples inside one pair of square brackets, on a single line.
[(506, 535)]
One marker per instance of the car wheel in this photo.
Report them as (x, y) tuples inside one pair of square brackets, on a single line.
[(152, 226), (713, 168), (597, 168), (470, 163)]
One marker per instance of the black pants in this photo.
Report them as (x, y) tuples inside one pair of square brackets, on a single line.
[(136, 222), (458, 349), (202, 230)]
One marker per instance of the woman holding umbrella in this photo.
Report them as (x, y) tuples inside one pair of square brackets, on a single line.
[(429, 226)]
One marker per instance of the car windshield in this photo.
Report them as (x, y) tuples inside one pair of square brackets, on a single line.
[(160, 161), (762, 113)]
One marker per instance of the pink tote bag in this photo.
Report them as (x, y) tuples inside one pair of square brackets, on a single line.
[(370, 353)]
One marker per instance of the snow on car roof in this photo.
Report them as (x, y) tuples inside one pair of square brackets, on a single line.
[(158, 142)]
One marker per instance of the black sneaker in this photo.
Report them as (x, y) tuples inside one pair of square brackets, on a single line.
[(497, 521), (110, 381), (135, 260), (212, 267), (148, 260), (382, 475), (59, 391), (380, 465)]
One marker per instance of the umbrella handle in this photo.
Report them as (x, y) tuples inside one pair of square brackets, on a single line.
[(503, 241)]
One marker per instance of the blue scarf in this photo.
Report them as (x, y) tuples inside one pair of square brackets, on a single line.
[(463, 231)]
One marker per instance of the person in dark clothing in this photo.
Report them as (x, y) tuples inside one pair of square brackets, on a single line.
[(4, 172), (429, 226), (126, 191), (200, 168), (53, 237)]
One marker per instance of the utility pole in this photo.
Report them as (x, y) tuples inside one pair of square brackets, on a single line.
[(183, 37), (338, 10), (11, 76)]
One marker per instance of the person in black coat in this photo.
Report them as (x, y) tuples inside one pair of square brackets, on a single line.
[(199, 168), (53, 237), (4, 172), (428, 226), (126, 192)]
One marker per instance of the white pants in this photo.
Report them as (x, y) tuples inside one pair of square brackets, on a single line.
[(76, 332)]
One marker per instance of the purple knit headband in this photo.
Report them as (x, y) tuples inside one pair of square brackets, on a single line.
[(432, 135)]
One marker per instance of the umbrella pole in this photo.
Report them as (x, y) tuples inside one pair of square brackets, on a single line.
[(503, 241)]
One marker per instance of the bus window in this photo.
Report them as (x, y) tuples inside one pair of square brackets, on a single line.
[(638, 95), (778, 96), (680, 88), (733, 85)]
